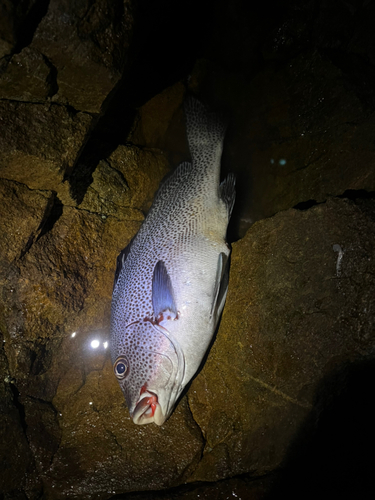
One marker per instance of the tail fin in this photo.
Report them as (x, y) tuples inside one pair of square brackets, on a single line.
[(205, 133)]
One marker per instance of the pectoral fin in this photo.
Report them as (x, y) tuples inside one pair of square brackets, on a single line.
[(162, 292)]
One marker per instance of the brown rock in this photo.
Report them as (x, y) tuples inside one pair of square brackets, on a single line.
[(15, 455), (160, 124), (101, 451), (39, 143), (64, 270), (299, 306), (23, 212), (238, 487), (16, 21), (125, 182), (87, 43), (27, 77)]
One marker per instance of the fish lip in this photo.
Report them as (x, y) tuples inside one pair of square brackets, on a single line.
[(143, 412)]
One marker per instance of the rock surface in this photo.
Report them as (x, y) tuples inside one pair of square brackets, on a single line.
[(300, 306), (39, 143), (87, 44)]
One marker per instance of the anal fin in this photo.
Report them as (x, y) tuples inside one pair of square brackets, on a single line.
[(221, 286)]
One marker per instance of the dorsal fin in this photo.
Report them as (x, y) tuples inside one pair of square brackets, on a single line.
[(122, 256), (162, 291), (228, 192)]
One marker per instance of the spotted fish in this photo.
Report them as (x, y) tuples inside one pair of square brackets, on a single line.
[(171, 280)]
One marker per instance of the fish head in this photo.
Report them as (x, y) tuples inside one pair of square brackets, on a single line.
[(149, 368)]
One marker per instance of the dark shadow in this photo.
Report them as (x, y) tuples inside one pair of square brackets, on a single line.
[(358, 194), (53, 213), (241, 487), (333, 454), (27, 22), (305, 205)]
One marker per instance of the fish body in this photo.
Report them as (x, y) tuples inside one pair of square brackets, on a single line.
[(171, 280)]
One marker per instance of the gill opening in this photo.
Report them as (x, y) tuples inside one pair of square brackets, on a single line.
[(179, 354), (166, 357), (179, 371)]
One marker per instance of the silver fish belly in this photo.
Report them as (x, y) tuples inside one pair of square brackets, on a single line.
[(171, 280)]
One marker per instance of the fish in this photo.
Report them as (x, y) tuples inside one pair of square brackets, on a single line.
[(171, 280)]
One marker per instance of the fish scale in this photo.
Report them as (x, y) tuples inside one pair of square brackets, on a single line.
[(171, 280)]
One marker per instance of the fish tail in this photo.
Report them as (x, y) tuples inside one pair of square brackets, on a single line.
[(205, 133)]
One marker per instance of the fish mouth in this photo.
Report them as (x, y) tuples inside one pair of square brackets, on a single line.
[(148, 410)]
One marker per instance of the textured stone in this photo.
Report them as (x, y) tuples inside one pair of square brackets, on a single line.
[(242, 487), (23, 212), (16, 459), (127, 180), (17, 19), (300, 302), (98, 434), (63, 274), (39, 143), (27, 77), (160, 124), (87, 43)]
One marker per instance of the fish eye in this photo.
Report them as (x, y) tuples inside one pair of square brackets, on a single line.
[(121, 368)]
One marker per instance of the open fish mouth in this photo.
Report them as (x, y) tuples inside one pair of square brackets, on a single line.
[(148, 410)]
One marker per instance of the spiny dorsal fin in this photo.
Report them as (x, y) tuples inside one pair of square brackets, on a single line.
[(162, 291), (171, 188), (122, 256)]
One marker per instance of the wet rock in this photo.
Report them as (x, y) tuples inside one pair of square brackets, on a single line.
[(101, 452), (160, 124), (302, 132), (87, 43), (18, 21), (27, 77), (39, 143), (237, 487), (46, 303), (16, 458), (344, 431), (43, 431), (300, 305), (128, 179), (24, 212)]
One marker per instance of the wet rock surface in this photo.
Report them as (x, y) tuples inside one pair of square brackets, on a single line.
[(299, 307), (87, 44), (282, 400), (40, 143)]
